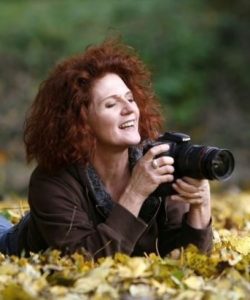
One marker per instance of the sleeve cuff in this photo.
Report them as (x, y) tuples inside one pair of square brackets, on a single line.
[(202, 238)]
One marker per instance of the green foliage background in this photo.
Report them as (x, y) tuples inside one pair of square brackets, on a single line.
[(198, 52)]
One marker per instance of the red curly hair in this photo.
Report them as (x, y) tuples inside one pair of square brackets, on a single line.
[(56, 133)]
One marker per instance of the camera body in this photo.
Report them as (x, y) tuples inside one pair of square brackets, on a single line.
[(196, 161)]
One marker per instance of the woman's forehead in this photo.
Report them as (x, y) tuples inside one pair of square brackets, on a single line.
[(109, 85)]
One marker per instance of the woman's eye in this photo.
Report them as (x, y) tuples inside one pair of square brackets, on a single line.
[(109, 105), (131, 100)]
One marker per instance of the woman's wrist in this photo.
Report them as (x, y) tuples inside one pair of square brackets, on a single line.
[(131, 200), (199, 216)]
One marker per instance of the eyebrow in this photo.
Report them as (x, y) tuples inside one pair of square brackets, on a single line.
[(116, 96)]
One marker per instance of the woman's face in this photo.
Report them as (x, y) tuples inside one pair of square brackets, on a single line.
[(113, 114)]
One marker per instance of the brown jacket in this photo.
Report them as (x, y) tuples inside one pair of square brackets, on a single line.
[(65, 214)]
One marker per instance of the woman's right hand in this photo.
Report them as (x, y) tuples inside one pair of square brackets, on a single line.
[(147, 175)]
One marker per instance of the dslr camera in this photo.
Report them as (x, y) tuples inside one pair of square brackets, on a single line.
[(197, 161)]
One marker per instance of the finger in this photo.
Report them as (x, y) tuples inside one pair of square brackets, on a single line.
[(180, 198), (156, 150), (166, 178), (166, 169), (194, 181), (186, 186), (164, 160), (187, 194)]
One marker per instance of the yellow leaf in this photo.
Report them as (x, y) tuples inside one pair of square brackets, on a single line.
[(141, 290), (138, 266), (241, 244), (230, 256), (194, 282), (108, 290), (92, 280), (58, 290), (14, 291), (191, 295), (8, 269)]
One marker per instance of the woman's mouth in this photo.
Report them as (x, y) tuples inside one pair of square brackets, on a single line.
[(127, 124)]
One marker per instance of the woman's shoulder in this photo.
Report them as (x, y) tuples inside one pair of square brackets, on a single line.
[(65, 178)]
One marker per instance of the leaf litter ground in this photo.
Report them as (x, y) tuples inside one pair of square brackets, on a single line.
[(184, 274)]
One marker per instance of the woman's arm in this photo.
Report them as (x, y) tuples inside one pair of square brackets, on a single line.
[(188, 217), (64, 217)]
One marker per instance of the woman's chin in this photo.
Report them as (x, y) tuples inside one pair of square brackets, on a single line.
[(135, 141)]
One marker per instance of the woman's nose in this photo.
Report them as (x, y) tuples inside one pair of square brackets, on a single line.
[(127, 108)]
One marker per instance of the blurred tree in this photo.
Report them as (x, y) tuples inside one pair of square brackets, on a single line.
[(198, 52)]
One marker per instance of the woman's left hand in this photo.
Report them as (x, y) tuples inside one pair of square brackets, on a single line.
[(195, 192)]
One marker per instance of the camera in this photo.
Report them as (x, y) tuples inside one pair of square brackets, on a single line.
[(197, 161)]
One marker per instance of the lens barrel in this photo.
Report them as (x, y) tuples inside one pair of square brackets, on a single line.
[(205, 162)]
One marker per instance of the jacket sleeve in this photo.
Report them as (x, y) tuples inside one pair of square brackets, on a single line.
[(62, 217), (174, 231)]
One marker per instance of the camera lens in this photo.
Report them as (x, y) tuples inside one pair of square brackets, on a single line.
[(222, 164), (205, 162)]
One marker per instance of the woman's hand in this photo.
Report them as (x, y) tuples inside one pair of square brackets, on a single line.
[(149, 172), (146, 176), (197, 194)]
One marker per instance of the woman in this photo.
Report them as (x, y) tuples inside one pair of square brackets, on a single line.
[(92, 188)]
